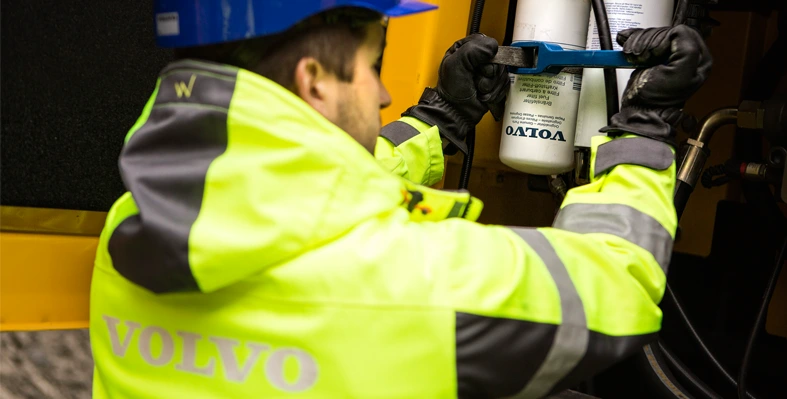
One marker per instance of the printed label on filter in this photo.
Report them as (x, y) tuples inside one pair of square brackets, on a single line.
[(534, 132), (545, 104)]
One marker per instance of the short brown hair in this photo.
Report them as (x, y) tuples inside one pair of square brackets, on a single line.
[(332, 38)]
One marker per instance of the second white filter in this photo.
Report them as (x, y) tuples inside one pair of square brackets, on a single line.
[(622, 14)]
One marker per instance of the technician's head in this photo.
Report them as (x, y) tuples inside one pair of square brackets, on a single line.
[(327, 52)]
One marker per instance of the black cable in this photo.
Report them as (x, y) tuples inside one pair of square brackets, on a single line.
[(698, 339), (678, 366), (467, 162), (693, 331), (605, 39), (760, 319), (668, 381), (510, 19), (661, 381)]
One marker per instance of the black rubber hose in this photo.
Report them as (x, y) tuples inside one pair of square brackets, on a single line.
[(698, 339), (467, 162), (660, 378), (605, 39), (760, 319), (682, 193), (678, 366), (510, 19)]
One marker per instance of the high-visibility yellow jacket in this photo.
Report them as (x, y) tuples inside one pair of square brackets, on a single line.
[(261, 252)]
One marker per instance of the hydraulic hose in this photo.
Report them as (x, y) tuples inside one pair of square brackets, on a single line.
[(467, 162), (760, 319), (691, 163), (694, 155), (695, 152), (661, 379), (682, 193), (677, 365), (698, 339), (510, 20), (605, 39)]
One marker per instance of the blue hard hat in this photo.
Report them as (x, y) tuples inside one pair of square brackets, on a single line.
[(185, 23)]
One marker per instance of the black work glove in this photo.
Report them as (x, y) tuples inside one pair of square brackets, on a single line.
[(468, 86), (654, 98)]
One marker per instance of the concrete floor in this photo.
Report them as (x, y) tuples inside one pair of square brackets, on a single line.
[(46, 364)]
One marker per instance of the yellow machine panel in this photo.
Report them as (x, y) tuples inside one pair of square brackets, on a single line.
[(415, 47)]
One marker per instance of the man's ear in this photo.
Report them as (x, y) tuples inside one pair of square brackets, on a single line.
[(316, 86)]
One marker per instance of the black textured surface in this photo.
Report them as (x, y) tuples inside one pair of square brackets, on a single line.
[(75, 76)]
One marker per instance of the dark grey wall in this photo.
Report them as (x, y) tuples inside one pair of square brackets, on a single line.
[(75, 76)]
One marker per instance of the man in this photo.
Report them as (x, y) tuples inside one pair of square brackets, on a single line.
[(262, 250)]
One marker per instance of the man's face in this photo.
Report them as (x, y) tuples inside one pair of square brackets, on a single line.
[(359, 103)]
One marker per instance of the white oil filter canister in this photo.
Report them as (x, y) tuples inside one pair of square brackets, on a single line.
[(622, 14), (541, 110)]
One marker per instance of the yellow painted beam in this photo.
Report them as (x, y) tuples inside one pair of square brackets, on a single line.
[(45, 281), (46, 220)]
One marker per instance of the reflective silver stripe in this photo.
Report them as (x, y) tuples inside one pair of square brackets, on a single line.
[(398, 132), (164, 165), (457, 209), (633, 151), (572, 335), (622, 221)]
